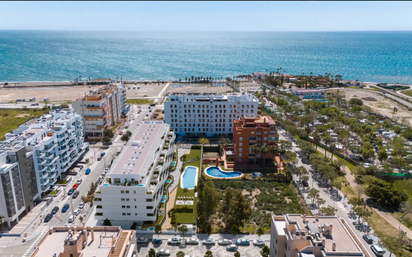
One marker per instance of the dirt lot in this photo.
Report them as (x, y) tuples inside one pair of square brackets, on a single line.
[(148, 90), (381, 105)]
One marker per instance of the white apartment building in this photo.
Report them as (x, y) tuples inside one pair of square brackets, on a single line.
[(137, 178), (101, 109), (56, 142), (208, 114), (296, 235)]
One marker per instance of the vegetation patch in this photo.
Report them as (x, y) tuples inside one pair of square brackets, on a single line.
[(10, 119), (139, 101)]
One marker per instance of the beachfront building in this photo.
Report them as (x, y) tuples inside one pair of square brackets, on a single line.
[(56, 142), (259, 75), (208, 114), (137, 178), (101, 109), (295, 235), (18, 183), (250, 131), (309, 93), (86, 241)]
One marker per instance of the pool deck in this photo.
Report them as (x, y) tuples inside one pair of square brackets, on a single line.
[(196, 177)]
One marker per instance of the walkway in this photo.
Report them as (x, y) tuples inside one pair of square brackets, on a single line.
[(173, 188)]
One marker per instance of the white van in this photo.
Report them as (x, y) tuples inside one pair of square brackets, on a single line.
[(377, 250)]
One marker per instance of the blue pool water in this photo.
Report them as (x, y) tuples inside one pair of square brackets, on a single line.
[(168, 181), (163, 200), (189, 177), (151, 229), (173, 163), (164, 197), (217, 172), (105, 185)]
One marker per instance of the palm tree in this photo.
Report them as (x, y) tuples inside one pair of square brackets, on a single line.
[(316, 138), (264, 150), (255, 150), (332, 149), (1, 221), (326, 138), (185, 190), (273, 149)]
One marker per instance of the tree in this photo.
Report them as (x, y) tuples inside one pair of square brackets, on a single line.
[(152, 252), (260, 231), (208, 253), (285, 145), (125, 138), (237, 254), (360, 190), (183, 230), (328, 211), (128, 133), (1, 221), (273, 149), (108, 133), (106, 140), (241, 209), (313, 194), (107, 222), (265, 251), (203, 141), (234, 230), (264, 150), (356, 101), (386, 194), (208, 229), (158, 229), (255, 151), (393, 244), (207, 202), (180, 254), (223, 142)]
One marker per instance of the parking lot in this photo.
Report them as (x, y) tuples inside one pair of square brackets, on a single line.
[(200, 249)]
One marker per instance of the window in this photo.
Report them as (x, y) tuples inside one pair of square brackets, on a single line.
[(240, 155), (240, 150), (265, 138), (124, 214), (128, 214), (240, 139), (253, 132), (149, 207), (122, 199), (240, 159), (123, 206), (240, 144), (121, 191)]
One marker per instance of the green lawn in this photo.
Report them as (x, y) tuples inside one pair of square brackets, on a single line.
[(115, 126), (187, 214), (9, 121), (408, 93), (139, 101)]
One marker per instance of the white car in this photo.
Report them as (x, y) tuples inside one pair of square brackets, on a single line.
[(72, 218), (81, 205), (76, 212), (163, 252), (366, 165), (174, 241), (192, 241), (209, 241), (258, 242), (225, 242), (79, 181)]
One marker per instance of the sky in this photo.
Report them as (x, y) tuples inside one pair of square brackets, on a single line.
[(207, 16)]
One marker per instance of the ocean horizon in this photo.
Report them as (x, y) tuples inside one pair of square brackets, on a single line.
[(370, 56)]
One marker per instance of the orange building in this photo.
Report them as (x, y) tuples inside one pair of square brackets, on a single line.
[(252, 130)]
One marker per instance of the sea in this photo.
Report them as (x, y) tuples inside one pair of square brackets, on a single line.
[(65, 55)]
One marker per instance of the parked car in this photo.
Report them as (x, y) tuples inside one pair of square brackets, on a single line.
[(105, 171), (71, 190), (174, 241), (209, 241), (156, 241), (192, 241), (81, 205), (225, 242), (305, 183), (242, 242), (258, 242), (48, 217), (163, 252), (87, 171), (55, 210), (76, 212), (377, 250), (231, 248), (75, 186), (75, 194), (121, 133), (72, 218), (368, 239), (65, 207), (79, 181), (142, 240)]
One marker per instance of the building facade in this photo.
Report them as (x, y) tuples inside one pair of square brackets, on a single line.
[(101, 109), (309, 93), (300, 236), (195, 114), (55, 141), (137, 178), (251, 131)]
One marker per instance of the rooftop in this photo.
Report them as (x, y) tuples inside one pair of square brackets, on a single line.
[(141, 149), (316, 227)]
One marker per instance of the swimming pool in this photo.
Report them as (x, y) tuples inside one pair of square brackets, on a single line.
[(173, 163), (216, 172), (189, 177)]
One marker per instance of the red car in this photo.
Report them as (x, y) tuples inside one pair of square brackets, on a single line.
[(121, 133), (75, 186)]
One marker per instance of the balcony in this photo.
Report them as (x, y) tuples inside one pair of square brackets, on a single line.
[(42, 155)]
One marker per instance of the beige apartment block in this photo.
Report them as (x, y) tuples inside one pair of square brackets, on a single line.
[(296, 235), (87, 242)]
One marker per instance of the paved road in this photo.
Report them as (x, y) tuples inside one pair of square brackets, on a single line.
[(20, 105), (12, 247), (342, 212)]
